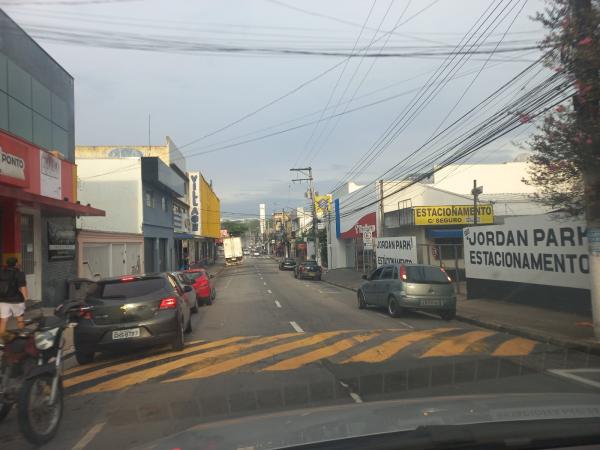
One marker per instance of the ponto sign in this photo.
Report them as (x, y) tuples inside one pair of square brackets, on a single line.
[(11, 165), (453, 214)]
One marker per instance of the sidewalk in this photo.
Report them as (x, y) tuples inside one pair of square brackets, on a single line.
[(554, 327)]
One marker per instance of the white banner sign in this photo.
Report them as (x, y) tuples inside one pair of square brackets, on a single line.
[(11, 165), (367, 238), (533, 249), (396, 250), (50, 176)]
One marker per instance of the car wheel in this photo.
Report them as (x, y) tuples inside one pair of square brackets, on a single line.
[(448, 314), (84, 357), (178, 342), (188, 329), (194, 309), (209, 299), (214, 293), (361, 301), (394, 309)]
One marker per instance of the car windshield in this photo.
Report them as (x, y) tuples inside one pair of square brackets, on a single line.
[(426, 274), (331, 218), (129, 289)]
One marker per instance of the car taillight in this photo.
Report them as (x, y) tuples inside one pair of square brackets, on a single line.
[(168, 303), (403, 273), (85, 312), (127, 278)]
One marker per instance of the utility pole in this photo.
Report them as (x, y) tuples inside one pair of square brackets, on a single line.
[(381, 211), (587, 116), (476, 192), (307, 172)]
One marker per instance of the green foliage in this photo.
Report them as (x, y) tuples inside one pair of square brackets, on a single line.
[(235, 228)]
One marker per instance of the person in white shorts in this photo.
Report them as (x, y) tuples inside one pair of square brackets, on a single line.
[(13, 293)]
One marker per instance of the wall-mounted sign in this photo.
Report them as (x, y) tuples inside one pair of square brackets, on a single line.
[(396, 250), (322, 204), (61, 241), (367, 238), (453, 214), (532, 250), (11, 165), (50, 176), (195, 203)]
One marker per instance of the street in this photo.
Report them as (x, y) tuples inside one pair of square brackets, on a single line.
[(270, 342)]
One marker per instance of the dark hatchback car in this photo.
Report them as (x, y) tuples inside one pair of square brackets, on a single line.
[(287, 264), (132, 311), (308, 269), (409, 287)]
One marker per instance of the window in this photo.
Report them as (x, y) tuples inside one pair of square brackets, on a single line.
[(395, 273), (387, 273), (149, 199), (426, 274), (375, 275), (127, 289), (163, 201)]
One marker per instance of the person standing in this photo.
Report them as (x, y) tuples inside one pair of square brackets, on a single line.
[(13, 294)]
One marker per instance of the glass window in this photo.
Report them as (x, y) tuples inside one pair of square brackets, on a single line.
[(3, 111), (60, 112), (425, 274), (164, 203), (60, 140), (126, 289), (375, 275), (42, 103), (42, 132), (20, 119), (3, 80), (19, 84), (387, 273), (149, 199), (395, 277)]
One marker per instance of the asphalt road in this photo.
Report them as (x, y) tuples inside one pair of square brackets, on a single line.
[(270, 342)]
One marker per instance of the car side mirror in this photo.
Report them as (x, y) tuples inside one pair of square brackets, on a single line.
[(364, 277), (187, 288)]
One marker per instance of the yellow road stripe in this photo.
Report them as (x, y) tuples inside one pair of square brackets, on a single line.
[(235, 363), (388, 349), (140, 362), (321, 353), (457, 345), (124, 381), (515, 347)]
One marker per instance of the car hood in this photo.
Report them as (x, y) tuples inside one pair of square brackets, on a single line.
[(311, 425)]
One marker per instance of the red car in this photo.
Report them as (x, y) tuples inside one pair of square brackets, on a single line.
[(203, 284)]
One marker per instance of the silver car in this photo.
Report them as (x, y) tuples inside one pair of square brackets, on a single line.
[(409, 286)]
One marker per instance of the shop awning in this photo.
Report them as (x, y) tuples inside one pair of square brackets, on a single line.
[(444, 233), (184, 236), (52, 205)]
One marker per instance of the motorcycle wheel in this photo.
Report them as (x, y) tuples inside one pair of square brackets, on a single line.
[(38, 420)]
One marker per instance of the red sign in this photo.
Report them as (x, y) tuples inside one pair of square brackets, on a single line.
[(14, 161), (365, 223)]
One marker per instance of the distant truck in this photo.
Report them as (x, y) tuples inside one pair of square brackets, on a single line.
[(232, 247)]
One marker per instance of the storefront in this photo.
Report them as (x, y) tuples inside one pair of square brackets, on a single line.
[(38, 206)]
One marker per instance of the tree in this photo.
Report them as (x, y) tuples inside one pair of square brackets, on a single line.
[(566, 145), (566, 162), (235, 228)]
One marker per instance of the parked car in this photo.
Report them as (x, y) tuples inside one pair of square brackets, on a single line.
[(246, 252), (203, 285), (308, 269), (287, 264), (133, 311), (409, 286), (256, 253)]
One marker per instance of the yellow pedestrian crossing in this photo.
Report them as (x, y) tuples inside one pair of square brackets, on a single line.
[(321, 353), (457, 345), (342, 347), (388, 349)]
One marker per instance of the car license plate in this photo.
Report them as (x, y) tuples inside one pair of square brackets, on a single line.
[(431, 302), (124, 334)]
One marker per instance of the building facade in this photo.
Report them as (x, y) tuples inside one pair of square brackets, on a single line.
[(38, 194)]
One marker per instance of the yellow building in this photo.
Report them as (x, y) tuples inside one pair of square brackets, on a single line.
[(210, 218)]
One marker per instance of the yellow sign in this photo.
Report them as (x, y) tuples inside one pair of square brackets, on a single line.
[(322, 204), (453, 214)]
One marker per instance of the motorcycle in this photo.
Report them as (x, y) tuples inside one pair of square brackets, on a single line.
[(31, 373)]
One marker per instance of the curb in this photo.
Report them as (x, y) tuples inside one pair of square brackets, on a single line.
[(593, 349)]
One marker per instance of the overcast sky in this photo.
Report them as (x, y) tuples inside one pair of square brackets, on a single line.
[(192, 94)]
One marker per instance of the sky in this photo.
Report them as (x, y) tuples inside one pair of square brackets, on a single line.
[(196, 93)]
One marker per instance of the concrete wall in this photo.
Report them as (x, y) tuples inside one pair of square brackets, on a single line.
[(115, 186)]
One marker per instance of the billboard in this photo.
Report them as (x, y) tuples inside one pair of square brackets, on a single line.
[(533, 249), (396, 250), (322, 204), (195, 203), (453, 214)]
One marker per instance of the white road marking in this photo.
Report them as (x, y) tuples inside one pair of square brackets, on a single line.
[(328, 292), (269, 291), (87, 438), (383, 315), (570, 373), (265, 283), (353, 395), (278, 304), (406, 324), (296, 327), (228, 283)]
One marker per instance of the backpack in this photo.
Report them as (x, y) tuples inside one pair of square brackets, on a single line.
[(8, 284)]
